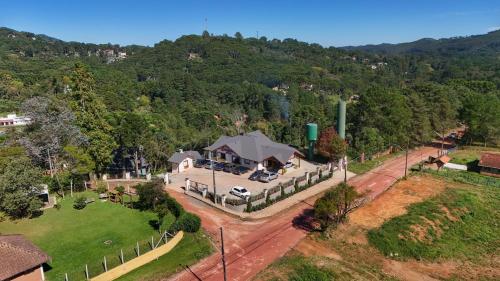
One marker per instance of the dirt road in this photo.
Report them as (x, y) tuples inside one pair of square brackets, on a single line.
[(251, 246)]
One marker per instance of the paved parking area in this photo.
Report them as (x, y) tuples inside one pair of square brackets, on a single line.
[(225, 181)]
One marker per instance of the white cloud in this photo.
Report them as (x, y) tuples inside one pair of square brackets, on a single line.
[(493, 28)]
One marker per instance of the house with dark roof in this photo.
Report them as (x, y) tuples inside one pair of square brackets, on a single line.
[(490, 164), (183, 160), (253, 150), (20, 260)]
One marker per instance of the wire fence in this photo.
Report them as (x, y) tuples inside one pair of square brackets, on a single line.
[(101, 264)]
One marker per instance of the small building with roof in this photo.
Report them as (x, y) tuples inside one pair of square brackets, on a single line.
[(20, 260), (490, 164), (253, 150), (183, 160)]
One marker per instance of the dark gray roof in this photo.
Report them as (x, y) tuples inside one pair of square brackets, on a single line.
[(255, 146), (178, 157)]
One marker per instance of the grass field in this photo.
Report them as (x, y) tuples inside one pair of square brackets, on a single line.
[(460, 223), (74, 238), (464, 157), (361, 168), (192, 247)]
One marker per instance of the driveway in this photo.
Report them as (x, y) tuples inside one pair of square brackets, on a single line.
[(225, 181)]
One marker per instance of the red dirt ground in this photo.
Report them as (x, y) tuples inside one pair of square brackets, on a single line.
[(252, 245)]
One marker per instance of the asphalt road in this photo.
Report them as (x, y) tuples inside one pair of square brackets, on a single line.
[(251, 246)]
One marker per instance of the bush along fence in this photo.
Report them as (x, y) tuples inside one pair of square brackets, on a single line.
[(265, 198), (97, 267)]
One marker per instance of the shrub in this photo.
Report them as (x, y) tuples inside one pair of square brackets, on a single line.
[(249, 206), (79, 203), (174, 207), (100, 189), (120, 189), (187, 222)]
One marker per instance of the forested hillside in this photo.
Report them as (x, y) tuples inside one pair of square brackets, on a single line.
[(476, 44), (186, 93)]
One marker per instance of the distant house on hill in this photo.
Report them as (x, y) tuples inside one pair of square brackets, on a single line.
[(20, 260), (14, 120), (490, 164), (253, 150), (183, 160)]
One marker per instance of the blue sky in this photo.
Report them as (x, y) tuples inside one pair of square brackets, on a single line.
[(330, 23)]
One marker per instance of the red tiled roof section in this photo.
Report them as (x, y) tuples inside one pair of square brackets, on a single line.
[(18, 255), (444, 159), (491, 160)]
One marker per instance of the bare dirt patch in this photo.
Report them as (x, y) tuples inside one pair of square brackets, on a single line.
[(309, 247), (394, 201)]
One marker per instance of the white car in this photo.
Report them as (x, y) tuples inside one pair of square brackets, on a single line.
[(240, 192), (288, 165)]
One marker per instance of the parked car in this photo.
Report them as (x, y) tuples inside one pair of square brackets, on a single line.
[(209, 163), (288, 165), (200, 163), (240, 170), (255, 175), (228, 167), (268, 176), (240, 192), (218, 166)]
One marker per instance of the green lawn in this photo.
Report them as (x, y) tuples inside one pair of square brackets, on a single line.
[(192, 247), (464, 157), (460, 223), (74, 238), (361, 168)]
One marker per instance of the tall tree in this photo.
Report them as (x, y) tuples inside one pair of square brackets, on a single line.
[(90, 113), (481, 113), (330, 145), (337, 203), (19, 188)]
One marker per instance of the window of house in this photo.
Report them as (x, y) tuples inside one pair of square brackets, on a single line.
[(246, 161), (185, 163)]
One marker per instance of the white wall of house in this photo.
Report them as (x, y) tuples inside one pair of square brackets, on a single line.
[(184, 165)]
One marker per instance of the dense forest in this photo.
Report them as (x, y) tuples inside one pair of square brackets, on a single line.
[(92, 109)]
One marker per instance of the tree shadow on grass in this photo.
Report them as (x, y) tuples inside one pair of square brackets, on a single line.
[(155, 224)]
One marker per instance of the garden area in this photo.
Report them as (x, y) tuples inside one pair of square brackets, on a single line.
[(75, 235)]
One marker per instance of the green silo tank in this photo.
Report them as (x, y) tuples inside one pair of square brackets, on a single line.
[(312, 132), (341, 118)]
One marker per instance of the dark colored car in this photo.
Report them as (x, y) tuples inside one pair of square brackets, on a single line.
[(200, 163), (240, 170), (255, 175), (218, 166), (229, 167)]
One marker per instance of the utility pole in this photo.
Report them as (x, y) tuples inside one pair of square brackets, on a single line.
[(223, 255), (442, 143), (213, 179), (406, 161), (50, 163), (345, 169)]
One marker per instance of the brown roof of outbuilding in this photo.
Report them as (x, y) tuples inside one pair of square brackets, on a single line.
[(491, 160), (18, 255), (444, 159)]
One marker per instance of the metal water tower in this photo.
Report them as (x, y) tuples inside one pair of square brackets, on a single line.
[(312, 137), (341, 119)]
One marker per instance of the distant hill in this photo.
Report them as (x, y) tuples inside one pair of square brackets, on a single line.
[(478, 44), (29, 44)]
